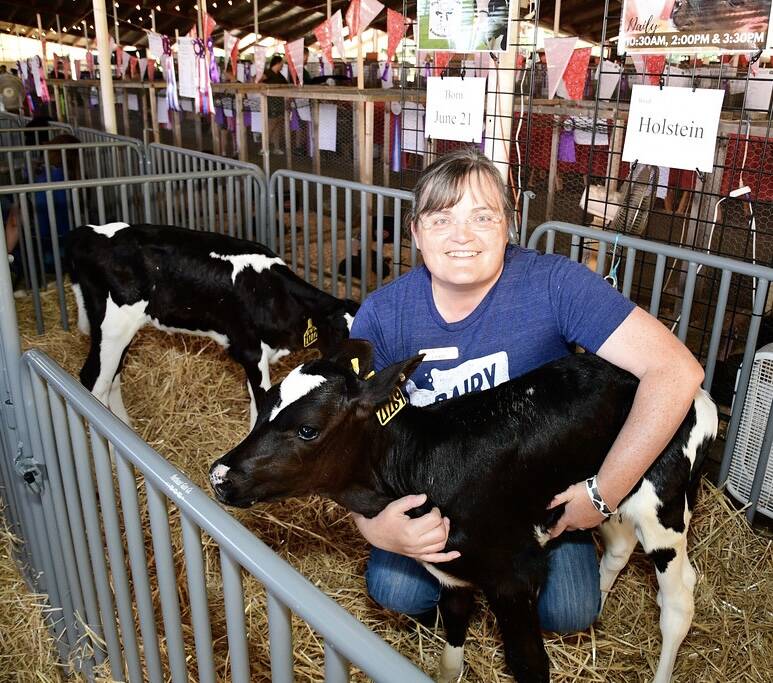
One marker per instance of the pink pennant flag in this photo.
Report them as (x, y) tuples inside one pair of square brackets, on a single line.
[(324, 35), (231, 44), (143, 62), (125, 62), (118, 60), (260, 62), (151, 69), (294, 54), (77, 69), (369, 10), (337, 33), (66, 68), (209, 26), (56, 65), (353, 18), (576, 73), (654, 65), (441, 62), (395, 32), (558, 52), (90, 63), (133, 65)]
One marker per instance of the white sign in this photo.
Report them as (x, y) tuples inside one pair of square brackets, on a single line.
[(455, 108), (156, 44), (256, 122), (186, 66), (673, 127), (328, 114), (758, 90), (134, 102), (162, 107)]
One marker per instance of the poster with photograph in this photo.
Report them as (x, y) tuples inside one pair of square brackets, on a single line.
[(689, 26), (464, 25)]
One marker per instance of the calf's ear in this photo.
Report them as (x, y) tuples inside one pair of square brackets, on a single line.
[(356, 355), (378, 389)]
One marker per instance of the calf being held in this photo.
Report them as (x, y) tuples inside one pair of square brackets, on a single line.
[(491, 462), (238, 293)]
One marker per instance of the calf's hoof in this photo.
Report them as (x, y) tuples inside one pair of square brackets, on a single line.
[(450, 665)]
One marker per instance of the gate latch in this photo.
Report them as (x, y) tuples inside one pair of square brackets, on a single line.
[(28, 470)]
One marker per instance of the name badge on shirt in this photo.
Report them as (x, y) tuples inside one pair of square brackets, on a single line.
[(444, 353)]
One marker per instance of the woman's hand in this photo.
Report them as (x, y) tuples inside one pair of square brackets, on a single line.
[(423, 538)]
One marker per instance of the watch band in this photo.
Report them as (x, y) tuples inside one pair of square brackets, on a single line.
[(592, 487)]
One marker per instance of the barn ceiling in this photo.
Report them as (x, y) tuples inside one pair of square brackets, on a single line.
[(282, 20)]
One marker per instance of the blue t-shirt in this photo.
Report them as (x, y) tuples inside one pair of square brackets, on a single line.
[(540, 306)]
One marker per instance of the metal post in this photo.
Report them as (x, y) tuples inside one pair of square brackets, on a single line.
[(105, 72)]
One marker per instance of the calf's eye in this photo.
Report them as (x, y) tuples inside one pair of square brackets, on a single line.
[(307, 433)]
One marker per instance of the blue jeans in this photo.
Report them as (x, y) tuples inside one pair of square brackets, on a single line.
[(569, 600)]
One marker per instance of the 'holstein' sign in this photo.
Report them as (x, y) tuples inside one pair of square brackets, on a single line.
[(673, 127)]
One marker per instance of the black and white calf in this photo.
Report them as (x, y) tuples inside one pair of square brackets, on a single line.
[(238, 293), (491, 462)]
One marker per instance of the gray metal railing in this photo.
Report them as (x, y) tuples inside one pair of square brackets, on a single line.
[(192, 200), (36, 135), (74, 435), (91, 135), (371, 202), (627, 250), (165, 159)]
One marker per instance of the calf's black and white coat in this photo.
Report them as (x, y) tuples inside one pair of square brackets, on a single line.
[(238, 293), (491, 462)]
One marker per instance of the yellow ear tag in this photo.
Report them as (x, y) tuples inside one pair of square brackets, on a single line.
[(356, 365), (394, 405), (310, 335), (370, 374)]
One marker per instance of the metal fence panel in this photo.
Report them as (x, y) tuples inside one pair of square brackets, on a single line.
[(630, 248), (305, 229)]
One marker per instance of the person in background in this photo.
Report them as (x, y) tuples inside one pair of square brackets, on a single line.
[(276, 105), (484, 311), (306, 75)]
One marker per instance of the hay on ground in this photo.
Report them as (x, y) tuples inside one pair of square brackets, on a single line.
[(189, 401)]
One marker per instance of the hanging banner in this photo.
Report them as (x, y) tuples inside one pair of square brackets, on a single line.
[(118, 60), (209, 26), (294, 54), (133, 67), (687, 26), (125, 62), (77, 73), (143, 63), (463, 25), (558, 52), (454, 108), (609, 77), (90, 63), (673, 127), (395, 32)]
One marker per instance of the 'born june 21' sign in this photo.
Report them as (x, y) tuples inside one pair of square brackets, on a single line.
[(673, 127), (455, 108)]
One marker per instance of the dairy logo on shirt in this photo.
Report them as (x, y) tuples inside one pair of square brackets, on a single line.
[(476, 374)]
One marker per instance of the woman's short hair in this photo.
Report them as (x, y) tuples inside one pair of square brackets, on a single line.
[(276, 59), (443, 183)]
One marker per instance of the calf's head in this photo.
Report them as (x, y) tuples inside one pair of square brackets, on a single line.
[(313, 430)]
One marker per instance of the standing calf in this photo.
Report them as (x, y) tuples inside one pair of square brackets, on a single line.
[(238, 293), (491, 462)]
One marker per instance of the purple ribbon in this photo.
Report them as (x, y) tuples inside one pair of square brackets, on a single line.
[(214, 72), (321, 66), (349, 72), (384, 76), (295, 120), (396, 156), (172, 101), (219, 116), (167, 45)]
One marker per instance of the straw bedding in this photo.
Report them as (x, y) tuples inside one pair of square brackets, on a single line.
[(189, 401)]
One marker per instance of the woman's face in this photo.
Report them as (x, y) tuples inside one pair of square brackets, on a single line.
[(463, 246)]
